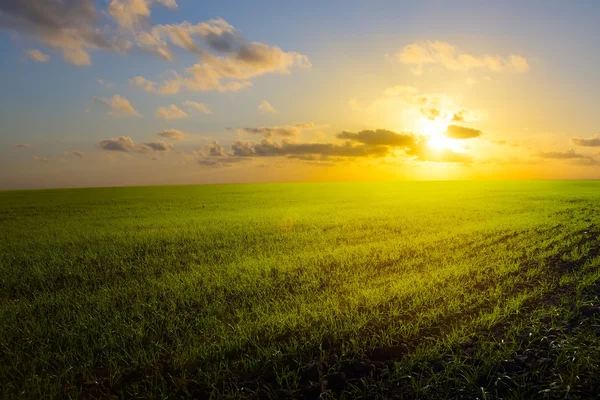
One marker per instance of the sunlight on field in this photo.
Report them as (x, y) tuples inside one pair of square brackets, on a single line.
[(150, 290)]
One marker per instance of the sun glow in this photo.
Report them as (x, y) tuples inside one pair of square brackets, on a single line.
[(434, 130)]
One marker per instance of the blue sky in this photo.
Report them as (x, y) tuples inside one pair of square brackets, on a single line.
[(352, 47)]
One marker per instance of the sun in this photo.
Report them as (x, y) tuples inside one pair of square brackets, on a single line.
[(434, 130)]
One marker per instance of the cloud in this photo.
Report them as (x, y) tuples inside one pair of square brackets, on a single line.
[(38, 56), (594, 141), (105, 84), (380, 137), (459, 116), (214, 155), (448, 56), (366, 143), (214, 149), (44, 160), (203, 108), (586, 162), (560, 155), (268, 148), (126, 144), (170, 112), (402, 96), (122, 143), (570, 155), (77, 153), (462, 132), (23, 145), (284, 131), (165, 88), (159, 145), (118, 106), (66, 25), (412, 145), (172, 134), (265, 107), (230, 74), (227, 61), (431, 113), (133, 14)]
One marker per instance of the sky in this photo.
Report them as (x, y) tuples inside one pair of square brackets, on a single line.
[(157, 92)]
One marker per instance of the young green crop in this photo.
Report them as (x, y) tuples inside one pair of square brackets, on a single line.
[(298, 290)]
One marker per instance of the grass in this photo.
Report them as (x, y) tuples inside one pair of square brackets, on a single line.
[(405, 290)]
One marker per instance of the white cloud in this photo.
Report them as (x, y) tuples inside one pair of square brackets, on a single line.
[(105, 84), (38, 56), (118, 106), (448, 56), (227, 60), (266, 107), (132, 14), (203, 108), (170, 112), (151, 87)]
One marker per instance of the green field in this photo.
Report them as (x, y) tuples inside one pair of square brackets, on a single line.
[(391, 290)]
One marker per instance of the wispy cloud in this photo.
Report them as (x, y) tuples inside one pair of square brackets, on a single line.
[(203, 108), (288, 131), (105, 84), (266, 107), (38, 56), (594, 141), (448, 56), (118, 106), (170, 112), (561, 155)]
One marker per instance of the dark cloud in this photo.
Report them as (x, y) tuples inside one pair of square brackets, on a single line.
[(366, 143), (594, 141), (214, 155), (23, 145), (122, 143), (159, 145), (214, 149), (462, 132), (267, 148), (242, 148), (126, 144), (380, 137)]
